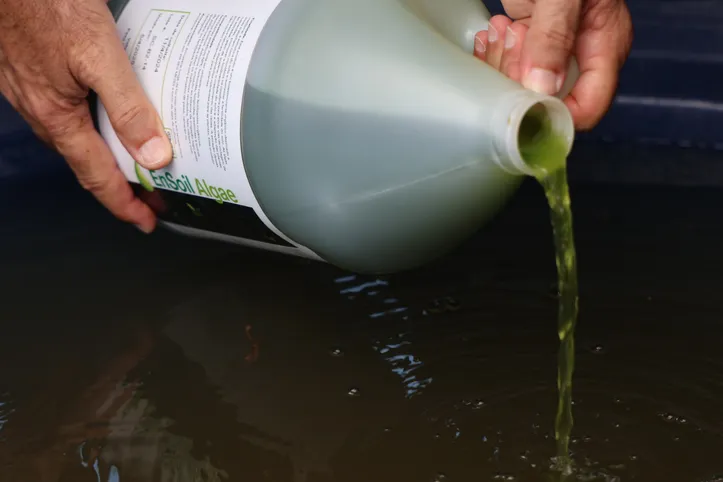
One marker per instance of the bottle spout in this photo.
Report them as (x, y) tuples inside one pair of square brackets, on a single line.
[(535, 133)]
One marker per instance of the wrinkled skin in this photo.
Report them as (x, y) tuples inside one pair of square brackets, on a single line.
[(534, 43), (51, 53)]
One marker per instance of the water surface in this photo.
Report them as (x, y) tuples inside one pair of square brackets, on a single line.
[(131, 358)]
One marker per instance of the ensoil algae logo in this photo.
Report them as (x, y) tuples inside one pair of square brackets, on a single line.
[(183, 184)]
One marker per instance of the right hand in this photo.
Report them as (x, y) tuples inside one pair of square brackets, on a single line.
[(51, 53), (535, 45)]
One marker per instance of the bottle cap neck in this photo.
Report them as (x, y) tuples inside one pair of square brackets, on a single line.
[(534, 133)]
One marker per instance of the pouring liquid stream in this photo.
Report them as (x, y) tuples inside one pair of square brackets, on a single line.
[(547, 152)]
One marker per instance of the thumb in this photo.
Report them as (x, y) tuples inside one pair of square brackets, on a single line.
[(548, 45), (135, 120)]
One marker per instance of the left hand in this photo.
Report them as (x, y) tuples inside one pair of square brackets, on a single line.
[(52, 53)]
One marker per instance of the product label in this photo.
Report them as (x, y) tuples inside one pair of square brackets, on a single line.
[(191, 57)]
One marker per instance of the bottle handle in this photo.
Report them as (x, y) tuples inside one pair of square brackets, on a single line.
[(460, 20), (456, 20)]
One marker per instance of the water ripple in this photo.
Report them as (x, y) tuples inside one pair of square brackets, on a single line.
[(6, 409), (493, 366)]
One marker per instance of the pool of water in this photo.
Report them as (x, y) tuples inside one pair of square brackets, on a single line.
[(130, 358)]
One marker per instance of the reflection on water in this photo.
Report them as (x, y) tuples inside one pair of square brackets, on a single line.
[(5, 410), (125, 358)]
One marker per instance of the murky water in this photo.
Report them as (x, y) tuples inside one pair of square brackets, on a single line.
[(126, 358)]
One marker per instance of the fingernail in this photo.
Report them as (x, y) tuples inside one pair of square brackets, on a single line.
[(479, 46), (510, 38), (491, 33), (144, 229), (154, 152), (542, 81)]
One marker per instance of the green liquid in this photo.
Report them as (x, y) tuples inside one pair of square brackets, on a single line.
[(558, 197), (548, 153)]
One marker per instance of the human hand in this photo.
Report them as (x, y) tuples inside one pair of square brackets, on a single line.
[(51, 53), (535, 49)]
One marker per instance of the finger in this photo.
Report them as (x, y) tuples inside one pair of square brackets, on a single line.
[(7, 90), (96, 169), (548, 44), (480, 45), (514, 38), (518, 9), (602, 49), (38, 129), (496, 39), (592, 95), (105, 68)]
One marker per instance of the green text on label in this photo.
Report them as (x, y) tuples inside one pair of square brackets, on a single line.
[(198, 187)]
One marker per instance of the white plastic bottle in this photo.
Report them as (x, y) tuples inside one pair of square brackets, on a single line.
[(360, 133)]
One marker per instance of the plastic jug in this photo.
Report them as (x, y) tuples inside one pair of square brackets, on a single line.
[(360, 133)]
